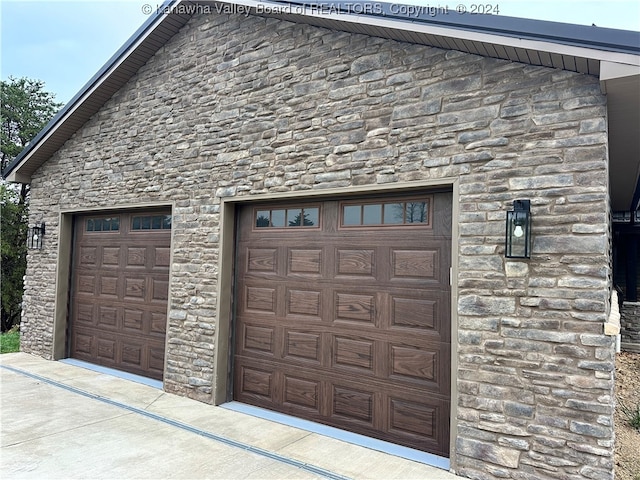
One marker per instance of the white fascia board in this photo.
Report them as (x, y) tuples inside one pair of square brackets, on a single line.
[(611, 70)]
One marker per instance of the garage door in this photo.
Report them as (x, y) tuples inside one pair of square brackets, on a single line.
[(343, 315), (120, 290)]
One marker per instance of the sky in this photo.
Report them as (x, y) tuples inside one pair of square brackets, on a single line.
[(64, 43)]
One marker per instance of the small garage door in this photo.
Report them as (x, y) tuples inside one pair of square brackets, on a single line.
[(343, 315), (120, 290)]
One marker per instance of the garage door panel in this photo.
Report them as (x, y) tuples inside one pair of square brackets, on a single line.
[(255, 382), (132, 354), (355, 262), (301, 393), (120, 294), (83, 343), (85, 313), (262, 260), (107, 317), (412, 418), (162, 257), (108, 286), (304, 302), (159, 322), (260, 298), (136, 256), (305, 261), (135, 288), (355, 406), (156, 360), (413, 362), (110, 256), (88, 256), (361, 406), (133, 320), (353, 352), (421, 264), (159, 290), (424, 424), (258, 338), (356, 307), (419, 314), (424, 364), (106, 349), (348, 326), (302, 346), (422, 316), (86, 283)]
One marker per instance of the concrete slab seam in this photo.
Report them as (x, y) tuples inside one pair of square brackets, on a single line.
[(227, 441)]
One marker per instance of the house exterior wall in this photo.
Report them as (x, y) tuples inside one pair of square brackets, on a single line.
[(630, 326), (238, 106)]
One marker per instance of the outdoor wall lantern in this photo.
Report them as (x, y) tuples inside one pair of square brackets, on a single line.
[(518, 236), (34, 236)]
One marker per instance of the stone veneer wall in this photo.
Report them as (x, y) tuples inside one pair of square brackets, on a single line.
[(630, 326), (241, 106)]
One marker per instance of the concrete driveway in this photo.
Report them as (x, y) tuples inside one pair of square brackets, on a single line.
[(64, 421)]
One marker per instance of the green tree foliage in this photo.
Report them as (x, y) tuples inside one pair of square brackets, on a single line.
[(301, 220), (13, 246), (25, 108)]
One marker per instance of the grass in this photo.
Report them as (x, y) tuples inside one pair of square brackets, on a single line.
[(10, 341), (631, 414)]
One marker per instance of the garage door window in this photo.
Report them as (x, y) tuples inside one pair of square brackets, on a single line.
[(412, 212), (108, 224), (287, 217), (151, 222)]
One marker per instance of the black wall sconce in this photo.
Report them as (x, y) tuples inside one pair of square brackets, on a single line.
[(34, 236), (518, 236)]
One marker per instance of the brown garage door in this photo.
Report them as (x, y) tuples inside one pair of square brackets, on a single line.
[(343, 315), (120, 290)]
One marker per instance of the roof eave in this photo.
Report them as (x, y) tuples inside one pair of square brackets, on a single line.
[(597, 38), (16, 171)]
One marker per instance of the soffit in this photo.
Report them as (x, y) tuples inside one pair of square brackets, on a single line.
[(623, 108)]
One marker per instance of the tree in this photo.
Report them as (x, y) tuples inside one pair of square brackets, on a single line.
[(13, 246), (25, 108), (301, 220)]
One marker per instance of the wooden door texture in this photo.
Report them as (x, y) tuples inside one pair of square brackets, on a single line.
[(120, 284), (343, 315)]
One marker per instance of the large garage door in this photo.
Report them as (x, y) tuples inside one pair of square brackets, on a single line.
[(343, 315), (120, 290)]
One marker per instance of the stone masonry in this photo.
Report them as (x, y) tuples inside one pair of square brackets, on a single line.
[(242, 106), (630, 326)]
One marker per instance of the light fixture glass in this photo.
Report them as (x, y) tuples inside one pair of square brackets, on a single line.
[(518, 234), (34, 236)]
